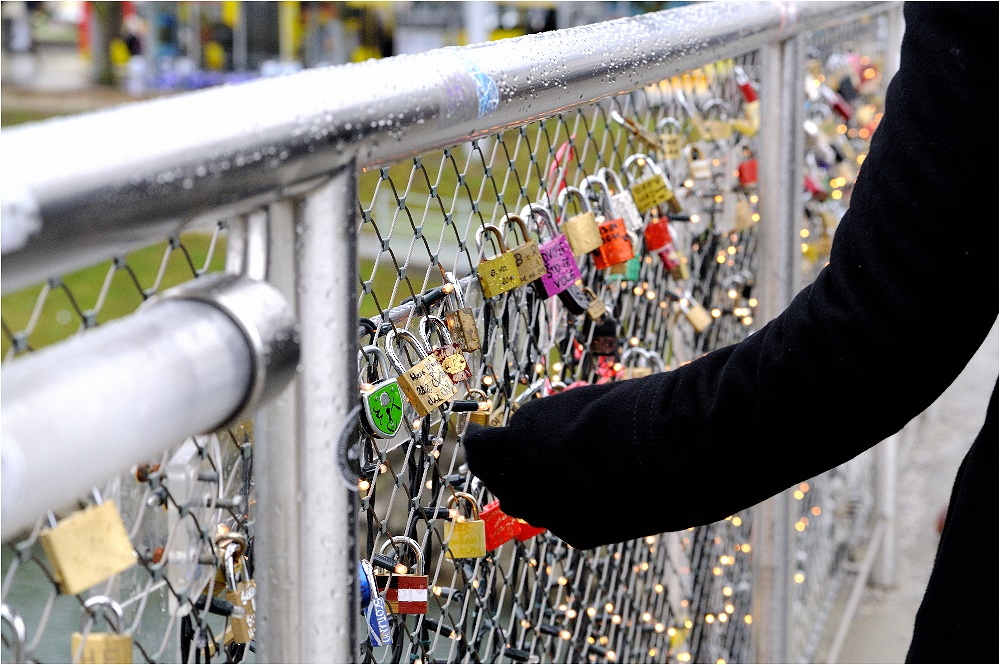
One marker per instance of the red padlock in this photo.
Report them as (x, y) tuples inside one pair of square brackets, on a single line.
[(743, 82), (658, 233), (616, 246), (527, 531), (813, 187), (748, 172), (500, 527)]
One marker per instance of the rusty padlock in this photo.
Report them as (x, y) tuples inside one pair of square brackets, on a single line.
[(498, 274), (448, 353), (425, 384), (581, 229)]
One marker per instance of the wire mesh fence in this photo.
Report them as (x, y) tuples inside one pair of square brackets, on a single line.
[(684, 151)]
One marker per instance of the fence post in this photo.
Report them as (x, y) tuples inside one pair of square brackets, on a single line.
[(307, 522), (782, 149)]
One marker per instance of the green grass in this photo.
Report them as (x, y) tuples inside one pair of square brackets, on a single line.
[(10, 117)]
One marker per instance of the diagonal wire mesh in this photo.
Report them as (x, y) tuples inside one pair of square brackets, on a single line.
[(681, 596)]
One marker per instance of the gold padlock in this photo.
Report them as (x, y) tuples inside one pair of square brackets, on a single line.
[(631, 371), (651, 188), (466, 538), (698, 165), (719, 127), (425, 384), (697, 316), (580, 230), (530, 265), (744, 215), (461, 321), (481, 416), (498, 274), (88, 547), (596, 309), (241, 593), (111, 647), (671, 142)]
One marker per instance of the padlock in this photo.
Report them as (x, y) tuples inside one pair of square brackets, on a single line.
[(527, 531), (481, 416), (382, 401), (88, 547), (615, 244), (674, 262), (622, 203), (425, 384), (500, 527), (698, 166), (645, 136), (581, 230), (449, 353), (744, 215), (241, 593), (575, 299), (377, 617), (671, 142), (632, 371), (719, 127), (695, 313), (405, 592), (696, 130), (651, 188), (604, 340), (530, 265), (561, 269), (748, 171), (111, 647), (498, 274), (629, 270), (367, 585), (823, 244), (658, 232), (465, 538), (596, 308), (461, 321)]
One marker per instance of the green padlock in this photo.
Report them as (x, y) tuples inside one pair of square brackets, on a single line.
[(382, 401)]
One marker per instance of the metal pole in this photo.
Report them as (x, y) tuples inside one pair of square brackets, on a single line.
[(884, 572), (77, 413), (782, 149)]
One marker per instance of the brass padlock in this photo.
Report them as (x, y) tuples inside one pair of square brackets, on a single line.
[(596, 308), (111, 647), (425, 384), (530, 265), (698, 165), (481, 416), (581, 230), (719, 127), (697, 316), (88, 547), (448, 353), (651, 188), (461, 321), (465, 538), (241, 593), (671, 139), (632, 371), (744, 215), (498, 274)]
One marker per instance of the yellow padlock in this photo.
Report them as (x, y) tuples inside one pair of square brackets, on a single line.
[(498, 274), (425, 384), (530, 265), (102, 647), (580, 230), (88, 547), (466, 538), (242, 594)]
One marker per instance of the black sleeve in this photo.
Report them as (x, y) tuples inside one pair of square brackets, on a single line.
[(908, 297)]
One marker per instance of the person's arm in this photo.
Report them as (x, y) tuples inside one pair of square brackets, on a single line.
[(908, 297)]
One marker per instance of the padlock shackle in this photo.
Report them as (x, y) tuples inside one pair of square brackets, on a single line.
[(439, 325), (725, 111), (589, 183), (533, 210), (396, 336), (373, 350), (473, 504), (409, 542), (644, 161), (604, 173), (629, 352), (20, 631), (575, 191), (115, 619), (669, 121), (456, 289), (516, 220), (655, 357), (489, 228)]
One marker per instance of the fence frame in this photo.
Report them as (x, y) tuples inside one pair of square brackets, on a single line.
[(108, 189)]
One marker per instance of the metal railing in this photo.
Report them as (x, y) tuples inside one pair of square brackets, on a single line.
[(385, 171)]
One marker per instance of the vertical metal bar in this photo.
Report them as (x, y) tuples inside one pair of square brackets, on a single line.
[(884, 572), (327, 281), (307, 522), (782, 146), (276, 436)]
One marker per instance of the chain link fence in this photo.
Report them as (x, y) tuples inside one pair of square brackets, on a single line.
[(678, 597)]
